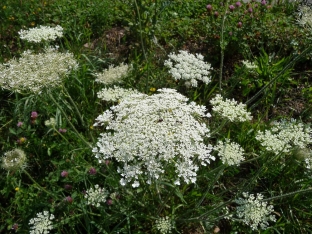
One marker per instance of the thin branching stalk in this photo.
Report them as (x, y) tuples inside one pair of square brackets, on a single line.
[(209, 212), (222, 45), (64, 138), (252, 159), (221, 169), (6, 124), (288, 194), (263, 168), (290, 64), (142, 43), (78, 112), (225, 121), (70, 123), (75, 106), (38, 186)]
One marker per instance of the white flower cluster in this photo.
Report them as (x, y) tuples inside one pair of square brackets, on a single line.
[(148, 134), (230, 153), (115, 94), (50, 122), (249, 65), (230, 109), (96, 196), (42, 224), (188, 67), (305, 155), (41, 33), (113, 74), (304, 16), (163, 225), (34, 72), (14, 160), (284, 136), (308, 162), (254, 211)]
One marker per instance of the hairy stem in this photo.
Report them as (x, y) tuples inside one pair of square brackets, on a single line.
[(288, 194)]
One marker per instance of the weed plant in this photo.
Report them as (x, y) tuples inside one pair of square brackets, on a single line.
[(194, 118)]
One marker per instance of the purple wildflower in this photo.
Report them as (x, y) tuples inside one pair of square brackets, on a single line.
[(209, 8), (92, 171), (69, 199), (64, 173), (238, 4), (34, 115), (68, 187)]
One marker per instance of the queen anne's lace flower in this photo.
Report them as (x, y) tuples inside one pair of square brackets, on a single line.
[(284, 136), (14, 160), (304, 16), (249, 65), (113, 74), (41, 33), (42, 223), (50, 122), (230, 153), (230, 109), (254, 212), (188, 67), (96, 196), (163, 225), (148, 134), (115, 94), (34, 72)]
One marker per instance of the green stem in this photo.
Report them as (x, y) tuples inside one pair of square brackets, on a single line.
[(77, 111), (221, 169), (220, 127), (142, 43), (74, 104), (39, 186), (250, 160), (288, 194), (64, 138), (290, 64), (91, 213), (222, 45), (6, 124), (210, 211), (70, 123)]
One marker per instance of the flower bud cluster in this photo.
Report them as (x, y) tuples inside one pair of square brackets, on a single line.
[(14, 160), (42, 223), (163, 225), (188, 67), (284, 136), (147, 134), (254, 212), (113, 74), (41, 33), (230, 153), (230, 109), (96, 196), (34, 72)]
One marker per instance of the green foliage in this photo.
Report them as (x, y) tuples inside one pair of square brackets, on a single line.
[(267, 37)]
